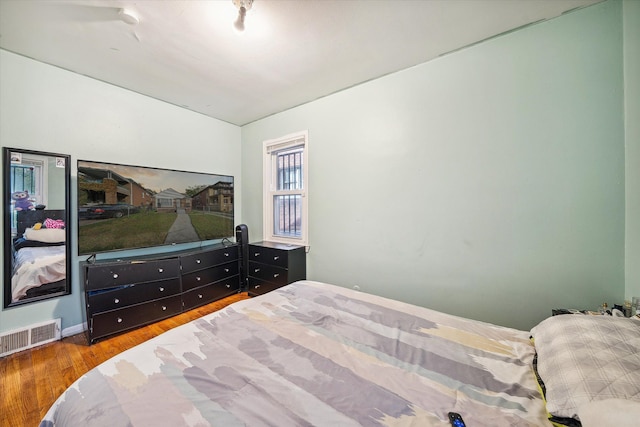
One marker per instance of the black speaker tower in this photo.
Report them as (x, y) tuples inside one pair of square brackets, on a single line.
[(242, 239)]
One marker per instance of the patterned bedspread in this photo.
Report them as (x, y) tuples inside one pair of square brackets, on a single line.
[(312, 354)]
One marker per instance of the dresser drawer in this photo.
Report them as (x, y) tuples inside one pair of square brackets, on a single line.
[(123, 296), (112, 275), (204, 259), (268, 273), (259, 287), (208, 275), (269, 256), (205, 294), (126, 318)]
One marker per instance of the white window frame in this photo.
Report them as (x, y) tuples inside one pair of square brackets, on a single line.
[(40, 196), (270, 150)]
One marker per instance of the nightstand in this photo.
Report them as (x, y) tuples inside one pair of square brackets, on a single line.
[(272, 265)]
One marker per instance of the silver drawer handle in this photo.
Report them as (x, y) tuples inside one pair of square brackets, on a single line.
[(256, 287), (116, 300), (256, 270), (197, 261), (160, 270), (226, 254), (164, 307), (226, 270), (115, 275), (256, 254), (275, 258), (198, 278), (228, 285), (200, 296), (119, 320), (161, 289), (276, 275)]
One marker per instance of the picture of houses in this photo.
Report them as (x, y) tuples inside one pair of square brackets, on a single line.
[(170, 200), (105, 186), (113, 187), (216, 198)]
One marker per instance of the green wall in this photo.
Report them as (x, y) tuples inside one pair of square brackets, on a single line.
[(45, 108), (55, 181), (487, 183), (631, 19)]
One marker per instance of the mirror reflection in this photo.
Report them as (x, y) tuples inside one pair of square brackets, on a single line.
[(36, 226)]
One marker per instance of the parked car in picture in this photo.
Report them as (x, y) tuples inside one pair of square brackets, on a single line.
[(106, 211)]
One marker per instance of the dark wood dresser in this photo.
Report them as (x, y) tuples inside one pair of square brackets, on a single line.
[(126, 293), (273, 265)]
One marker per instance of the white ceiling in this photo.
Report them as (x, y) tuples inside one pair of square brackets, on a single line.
[(187, 53)]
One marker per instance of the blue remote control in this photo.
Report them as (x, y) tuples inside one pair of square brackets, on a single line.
[(456, 420)]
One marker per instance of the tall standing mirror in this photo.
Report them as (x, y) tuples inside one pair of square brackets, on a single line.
[(36, 226)]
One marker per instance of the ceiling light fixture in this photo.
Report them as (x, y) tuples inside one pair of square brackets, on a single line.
[(243, 6), (128, 16)]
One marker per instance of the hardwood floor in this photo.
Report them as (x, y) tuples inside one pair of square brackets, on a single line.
[(32, 380)]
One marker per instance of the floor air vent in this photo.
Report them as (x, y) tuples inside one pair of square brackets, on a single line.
[(29, 337)]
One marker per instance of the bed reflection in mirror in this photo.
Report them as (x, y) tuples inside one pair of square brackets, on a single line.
[(36, 226)]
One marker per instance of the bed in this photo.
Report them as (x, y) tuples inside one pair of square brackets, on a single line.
[(38, 270), (39, 254), (317, 354)]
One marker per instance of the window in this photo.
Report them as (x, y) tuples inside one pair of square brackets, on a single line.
[(26, 175), (285, 189)]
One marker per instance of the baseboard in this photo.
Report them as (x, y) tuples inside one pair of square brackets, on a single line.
[(74, 330)]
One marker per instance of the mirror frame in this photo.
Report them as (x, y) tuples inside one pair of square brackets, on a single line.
[(8, 240)]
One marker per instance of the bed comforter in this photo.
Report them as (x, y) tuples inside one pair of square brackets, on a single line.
[(314, 354), (37, 266)]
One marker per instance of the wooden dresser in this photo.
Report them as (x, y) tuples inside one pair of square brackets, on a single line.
[(130, 292), (273, 265)]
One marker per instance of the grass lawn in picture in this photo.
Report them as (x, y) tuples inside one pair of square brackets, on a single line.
[(138, 230)]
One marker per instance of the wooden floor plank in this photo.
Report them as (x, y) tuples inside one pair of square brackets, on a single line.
[(11, 392), (44, 392), (26, 381), (31, 380)]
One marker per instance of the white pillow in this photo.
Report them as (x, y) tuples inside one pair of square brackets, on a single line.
[(610, 412), (46, 235), (584, 358)]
